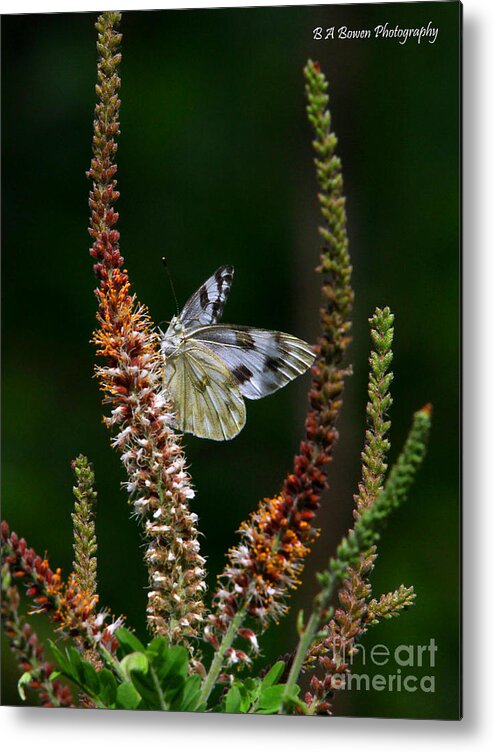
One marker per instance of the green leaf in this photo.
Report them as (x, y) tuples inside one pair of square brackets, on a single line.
[(137, 667), (24, 680), (75, 661), (62, 661), (270, 699), (128, 642), (167, 661), (80, 671), (249, 693), (273, 674), (293, 701), (169, 669), (172, 690), (144, 686), (251, 685), (134, 662), (127, 698), (191, 694), (89, 678), (233, 700), (108, 687), (158, 646)]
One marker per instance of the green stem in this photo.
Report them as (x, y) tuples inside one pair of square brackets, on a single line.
[(112, 662), (303, 646), (158, 689), (321, 603), (218, 659)]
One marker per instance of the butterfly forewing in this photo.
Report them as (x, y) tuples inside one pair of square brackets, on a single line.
[(206, 397), (206, 305), (260, 360)]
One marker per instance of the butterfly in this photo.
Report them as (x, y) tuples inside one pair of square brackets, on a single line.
[(210, 367)]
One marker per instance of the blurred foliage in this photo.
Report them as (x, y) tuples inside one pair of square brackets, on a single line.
[(215, 166)]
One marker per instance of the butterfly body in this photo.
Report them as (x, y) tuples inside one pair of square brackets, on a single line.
[(210, 367), (174, 338)]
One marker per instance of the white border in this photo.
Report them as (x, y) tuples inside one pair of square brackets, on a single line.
[(82, 731)]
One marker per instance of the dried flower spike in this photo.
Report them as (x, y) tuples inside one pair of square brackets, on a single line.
[(376, 442), (131, 380), (85, 546)]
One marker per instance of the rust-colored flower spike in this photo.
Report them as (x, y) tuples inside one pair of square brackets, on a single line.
[(65, 605), (29, 651), (350, 622), (276, 538), (132, 382), (347, 626), (103, 168)]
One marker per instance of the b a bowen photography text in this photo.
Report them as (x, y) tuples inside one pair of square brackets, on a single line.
[(403, 35)]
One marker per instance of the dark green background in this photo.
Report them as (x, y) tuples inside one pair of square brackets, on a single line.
[(215, 167)]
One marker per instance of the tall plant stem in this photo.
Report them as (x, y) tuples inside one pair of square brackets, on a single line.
[(217, 663), (321, 603)]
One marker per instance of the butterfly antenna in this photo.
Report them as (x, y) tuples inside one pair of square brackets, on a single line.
[(165, 264)]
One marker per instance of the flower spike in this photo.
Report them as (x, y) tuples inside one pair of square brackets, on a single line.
[(131, 380)]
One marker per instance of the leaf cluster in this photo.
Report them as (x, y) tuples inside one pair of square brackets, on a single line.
[(263, 696), (152, 677)]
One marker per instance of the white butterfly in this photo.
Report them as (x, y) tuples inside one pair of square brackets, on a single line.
[(209, 367)]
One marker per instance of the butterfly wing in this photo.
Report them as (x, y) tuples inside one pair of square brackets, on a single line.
[(206, 305), (206, 396), (260, 360)]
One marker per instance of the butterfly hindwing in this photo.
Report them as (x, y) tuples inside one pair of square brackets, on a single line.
[(206, 396), (260, 360), (206, 305)]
